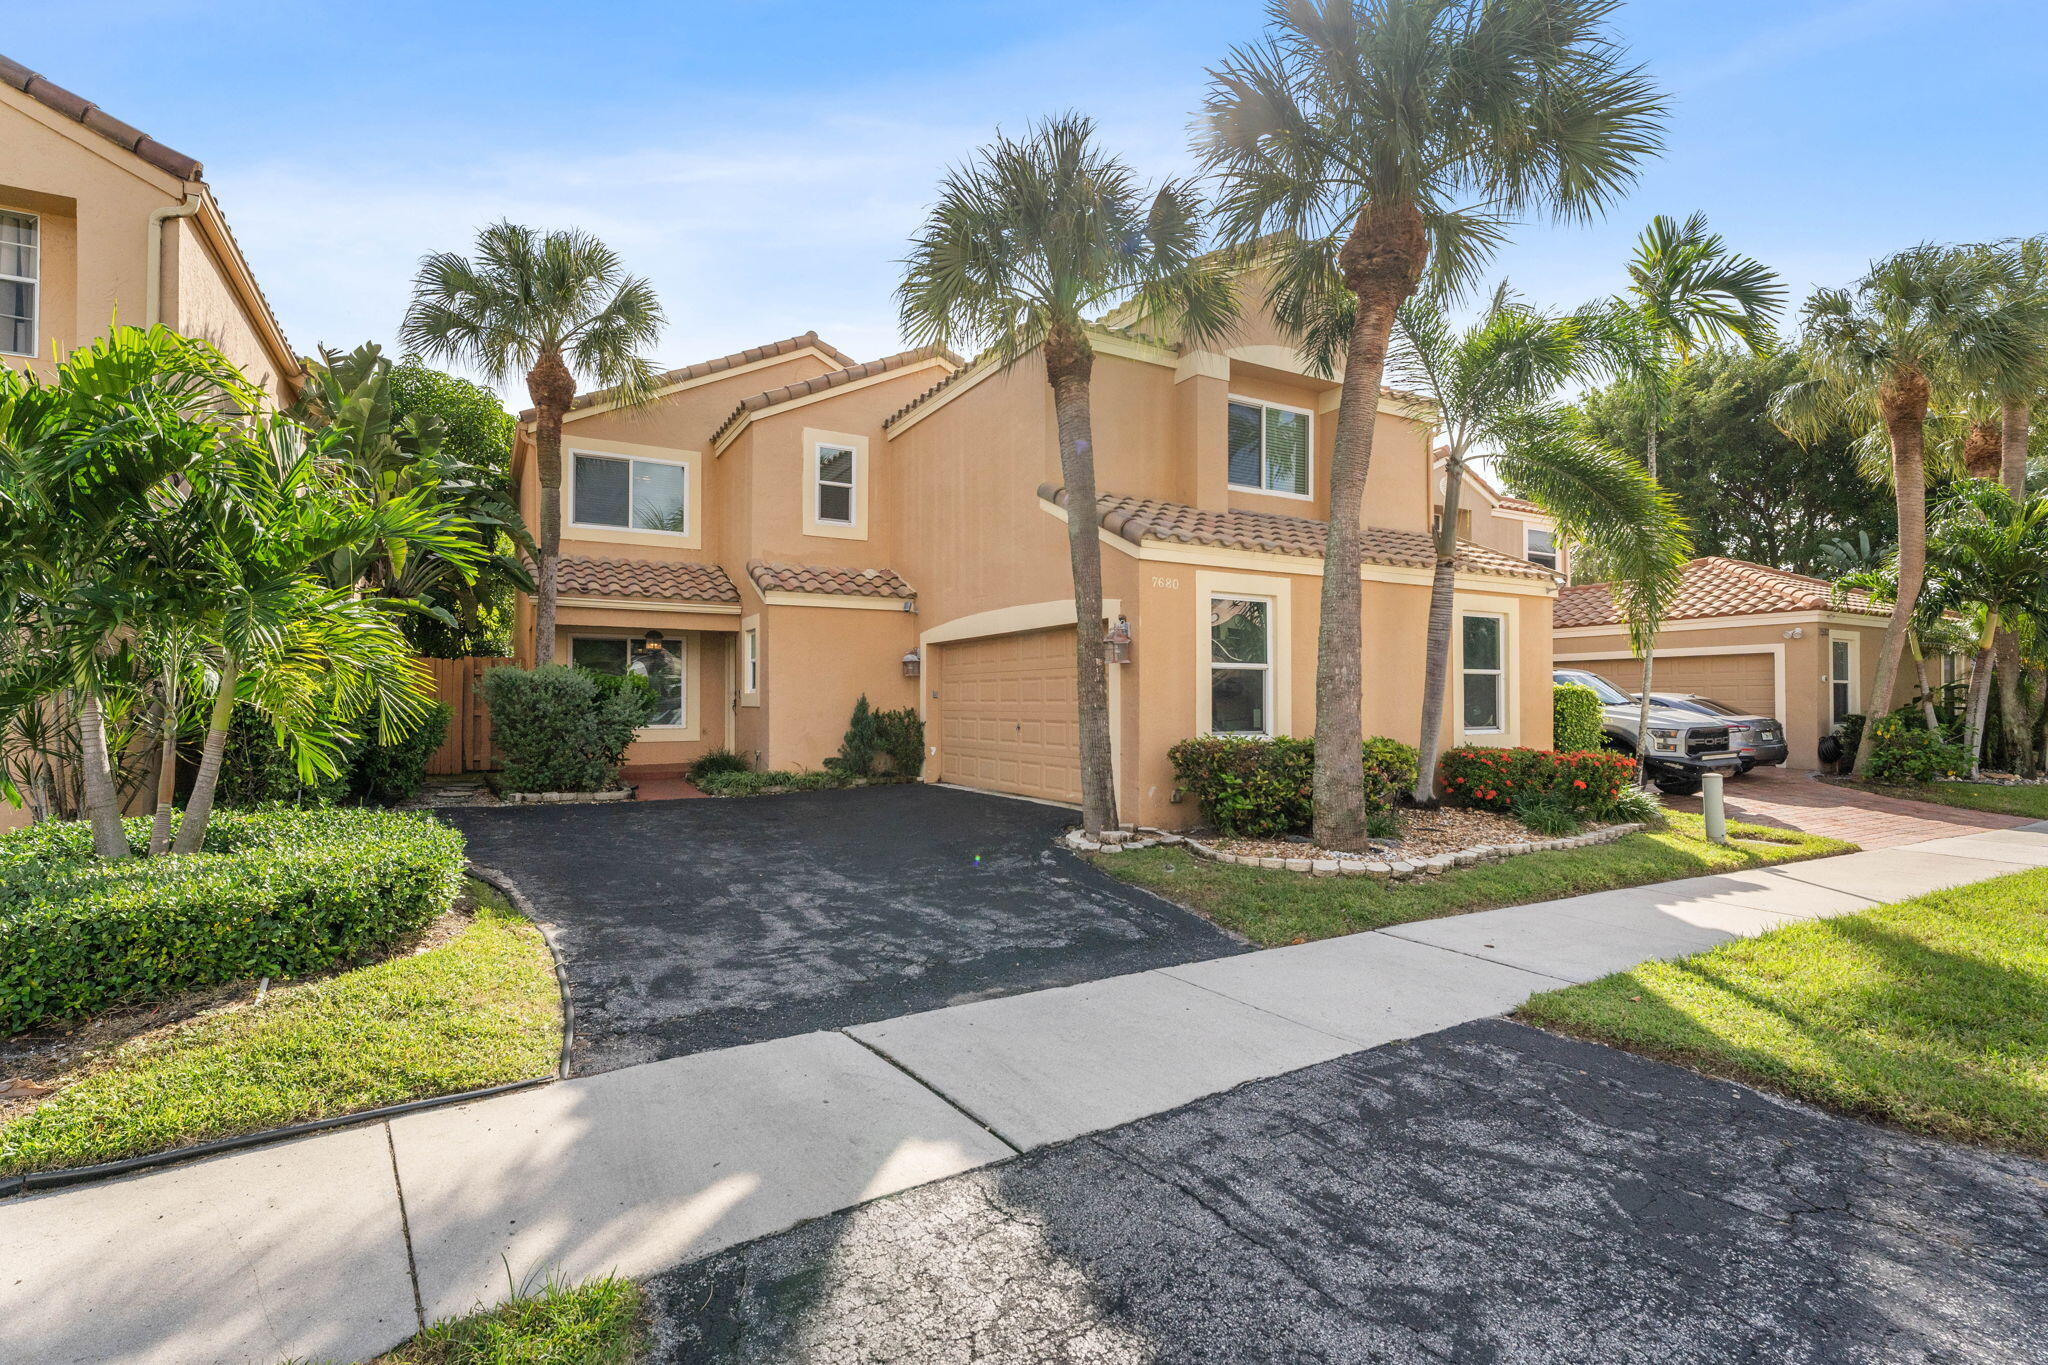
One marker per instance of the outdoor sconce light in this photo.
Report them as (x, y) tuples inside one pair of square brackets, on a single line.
[(1117, 643), (912, 664)]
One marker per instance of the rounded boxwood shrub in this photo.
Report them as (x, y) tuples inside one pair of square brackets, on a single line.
[(1576, 720), (278, 891)]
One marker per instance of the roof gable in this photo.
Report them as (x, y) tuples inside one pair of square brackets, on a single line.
[(82, 110)]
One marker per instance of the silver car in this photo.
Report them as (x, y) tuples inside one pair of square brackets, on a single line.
[(1758, 740)]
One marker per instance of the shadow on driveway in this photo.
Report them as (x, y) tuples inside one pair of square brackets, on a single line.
[(690, 925)]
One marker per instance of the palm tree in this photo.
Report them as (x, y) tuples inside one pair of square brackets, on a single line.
[(1988, 551), (1686, 291), (1927, 319), (548, 306), (1490, 383), (1026, 242), (1364, 142)]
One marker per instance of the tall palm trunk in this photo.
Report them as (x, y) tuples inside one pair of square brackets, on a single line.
[(1069, 363), (2014, 421), (1381, 262), (552, 389), (1650, 648), (1980, 699), (1436, 668), (1927, 712), (199, 807), (166, 768), (1903, 400), (102, 803)]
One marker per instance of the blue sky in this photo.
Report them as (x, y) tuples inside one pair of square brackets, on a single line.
[(763, 163)]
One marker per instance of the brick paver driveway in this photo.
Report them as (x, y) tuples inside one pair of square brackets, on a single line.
[(1792, 798)]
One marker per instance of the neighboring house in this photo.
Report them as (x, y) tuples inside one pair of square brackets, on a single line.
[(1514, 526), (100, 222), (1763, 640), (783, 530)]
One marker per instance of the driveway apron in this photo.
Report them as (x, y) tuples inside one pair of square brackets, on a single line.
[(691, 925)]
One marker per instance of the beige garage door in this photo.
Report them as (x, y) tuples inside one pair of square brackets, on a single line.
[(1006, 715), (1746, 682)]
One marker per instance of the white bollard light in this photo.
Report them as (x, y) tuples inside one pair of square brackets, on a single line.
[(1712, 808)]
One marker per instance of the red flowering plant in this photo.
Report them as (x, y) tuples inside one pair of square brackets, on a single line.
[(1588, 783)]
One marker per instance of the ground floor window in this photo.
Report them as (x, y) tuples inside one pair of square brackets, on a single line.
[(1482, 663), (658, 660), (1842, 678), (1240, 665)]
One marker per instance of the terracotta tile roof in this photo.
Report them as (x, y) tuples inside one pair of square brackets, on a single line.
[(829, 580), (819, 383), (659, 580), (1520, 505), (724, 362), (1716, 586), (82, 110), (1141, 519)]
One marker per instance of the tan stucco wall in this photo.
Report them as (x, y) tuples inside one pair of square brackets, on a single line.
[(815, 662), (1804, 660)]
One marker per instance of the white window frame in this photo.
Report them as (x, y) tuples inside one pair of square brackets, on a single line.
[(815, 442), (1309, 452), (819, 483), (689, 493), (34, 283), (1556, 551), (1265, 670), (1854, 648), (1499, 674), (685, 695), (750, 674)]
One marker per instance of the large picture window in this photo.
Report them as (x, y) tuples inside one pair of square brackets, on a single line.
[(835, 485), (20, 270), (658, 661), (1269, 448), (628, 494), (1482, 661), (1240, 665)]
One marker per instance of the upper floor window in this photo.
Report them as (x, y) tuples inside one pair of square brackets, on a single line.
[(1539, 546), (1270, 448), (19, 272), (835, 484), (629, 494)]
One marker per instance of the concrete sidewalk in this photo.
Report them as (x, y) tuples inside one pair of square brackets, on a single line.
[(336, 1246)]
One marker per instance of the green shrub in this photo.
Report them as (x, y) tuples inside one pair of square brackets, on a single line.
[(900, 736), (1397, 762), (275, 892), (1550, 815), (561, 729), (1259, 788), (716, 762), (858, 748), (1904, 755), (1576, 722), (386, 774), (1637, 806), (256, 770), (1586, 784), (772, 781)]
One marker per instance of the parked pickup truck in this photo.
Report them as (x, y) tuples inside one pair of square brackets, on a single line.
[(1755, 739), (1683, 747)]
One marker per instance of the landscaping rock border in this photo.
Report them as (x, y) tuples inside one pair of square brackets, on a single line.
[(564, 798), (1119, 841)]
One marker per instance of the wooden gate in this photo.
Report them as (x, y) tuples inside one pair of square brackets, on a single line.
[(468, 746)]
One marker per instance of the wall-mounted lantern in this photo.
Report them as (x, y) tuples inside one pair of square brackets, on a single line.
[(912, 664), (1116, 645)]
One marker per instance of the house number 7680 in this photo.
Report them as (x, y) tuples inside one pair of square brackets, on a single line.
[(1159, 582)]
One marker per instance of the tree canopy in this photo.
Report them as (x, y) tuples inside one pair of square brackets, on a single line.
[(1749, 490)]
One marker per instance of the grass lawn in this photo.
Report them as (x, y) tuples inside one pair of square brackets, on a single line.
[(478, 1009), (2031, 802), (598, 1323), (1272, 908), (1931, 1014)]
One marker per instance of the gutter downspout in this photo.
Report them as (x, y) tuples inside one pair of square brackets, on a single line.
[(153, 264)]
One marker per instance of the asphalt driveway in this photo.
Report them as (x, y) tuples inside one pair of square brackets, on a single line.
[(691, 925), (1487, 1194)]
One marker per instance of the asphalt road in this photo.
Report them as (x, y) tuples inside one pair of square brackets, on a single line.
[(691, 925)]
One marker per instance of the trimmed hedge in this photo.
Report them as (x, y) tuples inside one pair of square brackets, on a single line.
[(1586, 784), (275, 892), (771, 781), (1258, 788), (563, 729), (1576, 721)]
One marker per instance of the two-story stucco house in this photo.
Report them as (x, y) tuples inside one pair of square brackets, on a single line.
[(783, 530)]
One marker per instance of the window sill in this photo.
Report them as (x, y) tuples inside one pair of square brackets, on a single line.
[(1270, 492)]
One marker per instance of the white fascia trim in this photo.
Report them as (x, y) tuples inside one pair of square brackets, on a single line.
[(717, 375), (791, 404), (1787, 618), (906, 606), (635, 604)]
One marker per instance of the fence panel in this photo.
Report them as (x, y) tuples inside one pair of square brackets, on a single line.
[(468, 746)]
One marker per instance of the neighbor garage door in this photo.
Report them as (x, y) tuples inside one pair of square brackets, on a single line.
[(1746, 682), (1006, 715)]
